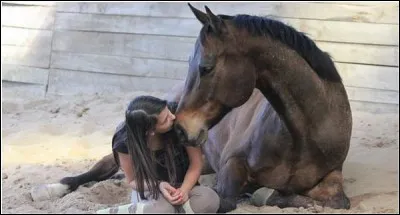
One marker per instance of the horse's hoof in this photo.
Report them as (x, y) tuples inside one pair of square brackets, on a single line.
[(48, 191), (260, 196), (226, 205)]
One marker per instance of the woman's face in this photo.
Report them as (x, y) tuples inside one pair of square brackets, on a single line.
[(165, 120)]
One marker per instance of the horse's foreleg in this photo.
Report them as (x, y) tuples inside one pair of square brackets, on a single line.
[(231, 179), (102, 170), (207, 168)]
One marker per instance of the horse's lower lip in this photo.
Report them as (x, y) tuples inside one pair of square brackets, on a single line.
[(181, 133), (202, 137)]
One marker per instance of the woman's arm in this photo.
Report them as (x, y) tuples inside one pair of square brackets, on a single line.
[(126, 165), (194, 170)]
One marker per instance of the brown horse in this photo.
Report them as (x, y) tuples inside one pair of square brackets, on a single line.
[(296, 147), (294, 143)]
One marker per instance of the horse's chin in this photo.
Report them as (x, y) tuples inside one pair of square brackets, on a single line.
[(203, 136), (199, 141)]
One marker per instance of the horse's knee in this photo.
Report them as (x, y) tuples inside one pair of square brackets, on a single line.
[(330, 191), (203, 200), (232, 177), (207, 168)]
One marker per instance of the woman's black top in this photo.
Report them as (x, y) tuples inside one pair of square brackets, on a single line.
[(181, 158)]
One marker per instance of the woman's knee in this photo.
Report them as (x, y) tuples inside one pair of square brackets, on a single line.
[(204, 200), (161, 205)]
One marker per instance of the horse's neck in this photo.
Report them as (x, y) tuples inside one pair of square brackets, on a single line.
[(293, 89)]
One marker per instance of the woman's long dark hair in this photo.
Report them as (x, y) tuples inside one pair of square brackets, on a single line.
[(141, 117)]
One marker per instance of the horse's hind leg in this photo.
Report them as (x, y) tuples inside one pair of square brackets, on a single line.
[(231, 179), (102, 170), (330, 191)]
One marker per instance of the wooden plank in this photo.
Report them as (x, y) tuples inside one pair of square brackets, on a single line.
[(75, 82), (375, 108), (28, 3), (25, 56), (372, 95), (119, 65), (364, 54), (353, 75), (355, 93), (374, 13), (358, 3), (377, 77), (162, 9), (349, 32), (129, 45), (24, 74), (128, 24), (14, 90), (67, 82), (179, 48), (28, 17), (26, 37)]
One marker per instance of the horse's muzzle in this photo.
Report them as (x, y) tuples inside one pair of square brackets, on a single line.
[(184, 138), (181, 133)]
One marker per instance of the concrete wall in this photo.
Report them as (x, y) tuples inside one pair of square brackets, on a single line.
[(72, 47)]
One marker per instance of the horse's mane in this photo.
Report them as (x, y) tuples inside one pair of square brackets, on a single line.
[(319, 61)]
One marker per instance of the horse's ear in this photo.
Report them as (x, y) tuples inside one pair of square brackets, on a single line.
[(202, 17), (216, 23)]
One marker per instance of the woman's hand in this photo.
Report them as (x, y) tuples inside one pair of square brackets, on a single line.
[(192, 175), (170, 193), (183, 196)]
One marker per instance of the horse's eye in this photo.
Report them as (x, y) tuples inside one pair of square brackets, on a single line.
[(204, 70)]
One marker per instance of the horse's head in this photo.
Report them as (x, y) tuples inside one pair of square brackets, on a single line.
[(220, 77)]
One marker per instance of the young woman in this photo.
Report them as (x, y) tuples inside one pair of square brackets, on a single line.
[(162, 173)]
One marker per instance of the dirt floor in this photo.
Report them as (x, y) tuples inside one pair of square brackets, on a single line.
[(44, 140)]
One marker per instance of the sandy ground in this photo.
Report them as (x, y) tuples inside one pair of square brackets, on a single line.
[(44, 140)]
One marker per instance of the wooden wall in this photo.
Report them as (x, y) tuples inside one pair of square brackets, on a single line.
[(72, 47)]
